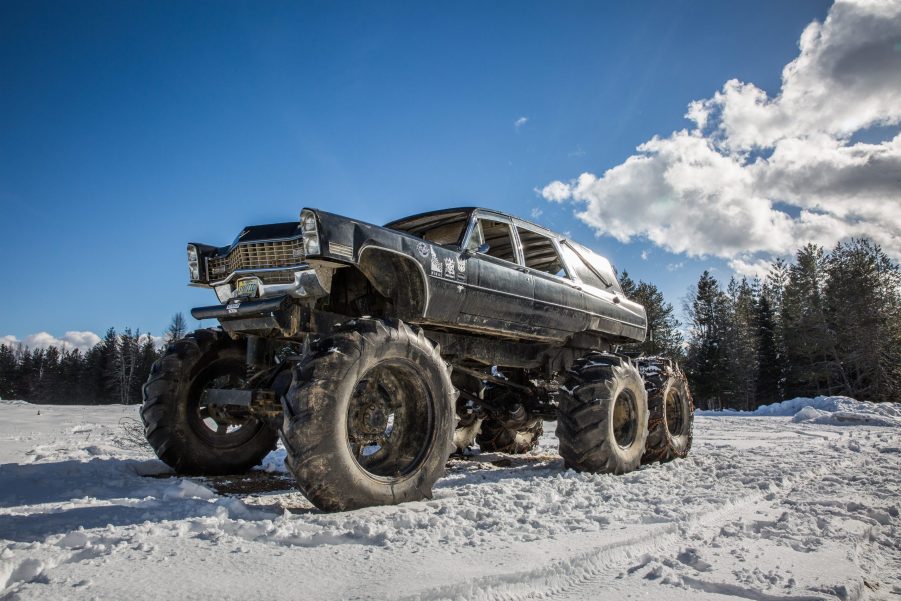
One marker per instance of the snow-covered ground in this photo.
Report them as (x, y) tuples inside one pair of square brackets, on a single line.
[(764, 508)]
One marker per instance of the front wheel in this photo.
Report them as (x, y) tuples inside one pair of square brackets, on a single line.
[(602, 420), (182, 430), (369, 418)]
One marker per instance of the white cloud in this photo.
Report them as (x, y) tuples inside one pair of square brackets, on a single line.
[(750, 267), (536, 213), (675, 266), (520, 122), (556, 192), (645, 254), (716, 189), (70, 340)]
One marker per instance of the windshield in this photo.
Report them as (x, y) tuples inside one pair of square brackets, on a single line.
[(443, 227)]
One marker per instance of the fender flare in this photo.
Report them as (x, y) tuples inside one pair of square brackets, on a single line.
[(387, 270)]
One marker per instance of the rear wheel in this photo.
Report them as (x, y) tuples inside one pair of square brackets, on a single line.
[(369, 418), (603, 415), (182, 430), (671, 410), (495, 437)]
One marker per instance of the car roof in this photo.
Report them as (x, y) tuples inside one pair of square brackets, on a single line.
[(421, 221)]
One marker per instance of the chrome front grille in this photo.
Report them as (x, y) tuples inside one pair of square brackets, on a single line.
[(257, 255)]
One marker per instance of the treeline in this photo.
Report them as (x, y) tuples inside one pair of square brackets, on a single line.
[(826, 324), (112, 371)]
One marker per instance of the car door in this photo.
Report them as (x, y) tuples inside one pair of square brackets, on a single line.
[(500, 292), (558, 302), (607, 310)]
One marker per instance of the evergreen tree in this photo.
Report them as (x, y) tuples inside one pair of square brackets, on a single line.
[(862, 302), (177, 329), (101, 367), (809, 343), (49, 387), (663, 336), (147, 355), (72, 370), (707, 363), (8, 372), (769, 364), (26, 375), (741, 345)]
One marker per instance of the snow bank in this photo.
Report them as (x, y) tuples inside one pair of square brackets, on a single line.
[(826, 410)]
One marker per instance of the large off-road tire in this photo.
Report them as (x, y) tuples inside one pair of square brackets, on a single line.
[(670, 408), (602, 419), (181, 431), (494, 437), (369, 418)]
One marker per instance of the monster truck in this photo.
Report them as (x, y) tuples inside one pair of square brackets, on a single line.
[(376, 352)]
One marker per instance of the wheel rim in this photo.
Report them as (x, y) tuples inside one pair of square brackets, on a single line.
[(675, 413), (214, 429), (624, 419), (390, 421)]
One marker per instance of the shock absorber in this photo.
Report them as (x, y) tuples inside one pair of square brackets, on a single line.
[(257, 351)]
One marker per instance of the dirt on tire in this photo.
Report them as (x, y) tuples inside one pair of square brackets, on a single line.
[(670, 410), (342, 393), (603, 415)]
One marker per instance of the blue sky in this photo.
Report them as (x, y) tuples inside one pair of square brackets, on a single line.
[(131, 128)]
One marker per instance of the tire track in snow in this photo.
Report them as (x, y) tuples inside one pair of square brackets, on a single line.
[(580, 576)]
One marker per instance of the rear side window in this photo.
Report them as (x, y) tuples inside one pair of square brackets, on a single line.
[(540, 253), (583, 271), (497, 235)]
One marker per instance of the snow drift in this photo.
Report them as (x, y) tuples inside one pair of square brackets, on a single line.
[(826, 410)]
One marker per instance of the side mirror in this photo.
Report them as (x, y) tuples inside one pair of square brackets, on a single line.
[(482, 249)]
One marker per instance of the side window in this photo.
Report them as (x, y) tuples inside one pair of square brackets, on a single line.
[(582, 270), (540, 253), (497, 235)]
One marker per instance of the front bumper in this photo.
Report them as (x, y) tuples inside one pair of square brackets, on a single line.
[(308, 283)]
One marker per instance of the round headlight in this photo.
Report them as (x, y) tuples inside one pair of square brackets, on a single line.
[(193, 262), (311, 245)]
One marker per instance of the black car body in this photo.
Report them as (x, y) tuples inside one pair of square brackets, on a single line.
[(374, 352), (465, 271)]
